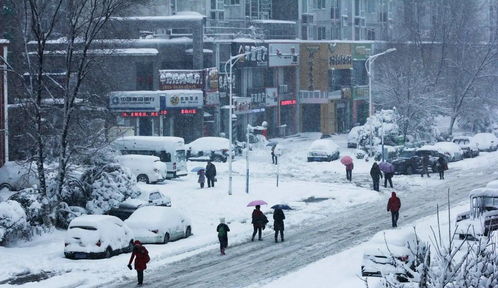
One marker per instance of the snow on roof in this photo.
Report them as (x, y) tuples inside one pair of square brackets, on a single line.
[(428, 148), (110, 52), (91, 220), (209, 144), (324, 144), (484, 192), (180, 16), (161, 139), (493, 184), (4, 41), (272, 21), (124, 41), (449, 147)]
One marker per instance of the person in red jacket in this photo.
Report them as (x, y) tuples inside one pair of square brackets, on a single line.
[(393, 205), (141, 256), (349, 171)]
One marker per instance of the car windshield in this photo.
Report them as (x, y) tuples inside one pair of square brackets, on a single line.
[(154, 196), (84, 228), (180, 155), (407, 154)]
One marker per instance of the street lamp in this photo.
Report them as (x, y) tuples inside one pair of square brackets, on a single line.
[(368, 67), (231, 62)]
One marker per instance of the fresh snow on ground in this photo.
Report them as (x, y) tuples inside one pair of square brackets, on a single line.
[(299, 180)]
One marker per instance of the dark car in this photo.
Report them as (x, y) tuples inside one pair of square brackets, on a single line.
[(410, 161)]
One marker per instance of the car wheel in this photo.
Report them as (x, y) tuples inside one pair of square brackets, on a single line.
[(166, 238), (188, 232), (409, 170), (143, 178), (6, 185), (108, 252)]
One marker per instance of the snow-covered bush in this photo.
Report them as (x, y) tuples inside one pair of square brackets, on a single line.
[(12, 221), (107, 185), (32, 203), (382, 123), (64, 214)]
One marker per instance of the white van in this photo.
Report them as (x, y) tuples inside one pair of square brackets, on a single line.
[(147, 169), (169, 149)]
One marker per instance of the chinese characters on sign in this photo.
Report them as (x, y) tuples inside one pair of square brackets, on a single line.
[(181, 79)]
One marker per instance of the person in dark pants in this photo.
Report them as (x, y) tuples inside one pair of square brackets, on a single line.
[(349, 171), (202, 177), (223, 230), (393, 205), (425, 166), (388, 176), (376, 174), (274, 159), (210, 173), (278, 223), (442, 166), (141, 256), (259, 221)]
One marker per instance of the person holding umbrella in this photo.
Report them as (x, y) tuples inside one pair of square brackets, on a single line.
[(259, 221), (278, 223), (388, 170), (376, 174), (348, 162)]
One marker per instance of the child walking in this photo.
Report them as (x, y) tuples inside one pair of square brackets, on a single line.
[(202, 177)]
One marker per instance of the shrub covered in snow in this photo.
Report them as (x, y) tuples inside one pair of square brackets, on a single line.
[(31, 201), (12, 221)]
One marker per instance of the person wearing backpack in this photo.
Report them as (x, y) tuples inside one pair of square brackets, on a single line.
[(141, 256), (223, 230), (259, 221)]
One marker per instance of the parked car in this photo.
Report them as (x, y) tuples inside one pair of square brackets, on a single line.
[(451, 150), (208, 149), (97, 236), (482, 217), (354, 137), (486, 141), (388, 252), (468, 145), (434, 154), (16, 176), (407, 162), (146, 198), (323, 150), (147, 169), (390, 152), (155, 224)]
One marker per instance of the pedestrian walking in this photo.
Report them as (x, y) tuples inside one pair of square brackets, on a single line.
[(141, 256), (274, 158), (210, 174), (388, 177), (278, 223), (425, 166), (376, 174), (259, 221), (202, 177), (349, 171), (393, 206), (442, 166), (223, 230)]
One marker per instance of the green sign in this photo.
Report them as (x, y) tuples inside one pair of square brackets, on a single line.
[(362, 51)]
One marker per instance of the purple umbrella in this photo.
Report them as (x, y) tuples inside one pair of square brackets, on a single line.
[(386, 167), (256, 202)]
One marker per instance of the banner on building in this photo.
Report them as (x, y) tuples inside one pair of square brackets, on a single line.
[(313, 67), (257, 58), (362, 51), (283, 55), (211, 80), (181, 79), (184, 98), (340, 56), (212, 98), (271, 97), (123, 101)]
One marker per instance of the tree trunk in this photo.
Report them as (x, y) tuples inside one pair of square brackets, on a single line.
[(452, 123)]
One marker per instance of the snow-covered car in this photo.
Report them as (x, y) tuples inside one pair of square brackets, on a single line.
[(147, 169), (493, 184), (486, 141), (155, 224), (482, 217), (354, 137), (146, 198), (323, 150), (389, 251), (468, 145), (17, 175), (208, 149), (97, 236), (451, 150)]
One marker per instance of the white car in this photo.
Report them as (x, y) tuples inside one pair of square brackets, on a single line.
[(387, 250), (97, 236), (208, 149), (323, 150), (156, 224), (146, 198), (147, 169), (17, 175), (482, 217), (486, 141), (468, 145), (451, 150)]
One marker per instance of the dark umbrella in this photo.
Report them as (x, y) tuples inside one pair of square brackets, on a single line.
[(281, 206), (197, 169)]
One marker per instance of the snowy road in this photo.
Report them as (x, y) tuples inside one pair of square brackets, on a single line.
[(259, 262)]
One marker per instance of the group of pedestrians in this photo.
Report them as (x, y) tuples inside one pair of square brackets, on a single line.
[(209, 173)]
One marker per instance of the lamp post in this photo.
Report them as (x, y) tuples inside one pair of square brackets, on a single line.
[(368, 67), (231, 61)]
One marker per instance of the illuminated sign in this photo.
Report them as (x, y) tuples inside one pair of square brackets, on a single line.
[(287, 102), (144, 114), (188, 111), (133, 100), (181, 79)]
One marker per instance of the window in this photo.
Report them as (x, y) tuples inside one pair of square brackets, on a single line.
[(232, 2), (335, 11), (319, 4), (321, 33), (370, 34), (144, 76), (305, 6)]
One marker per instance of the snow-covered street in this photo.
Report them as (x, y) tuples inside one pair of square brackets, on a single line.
[(329, 216)]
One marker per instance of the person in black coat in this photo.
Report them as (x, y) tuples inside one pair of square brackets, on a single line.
[(223, 230), (259, 221), (376, 174), (210, 173), (278, 223), (442, 166)]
